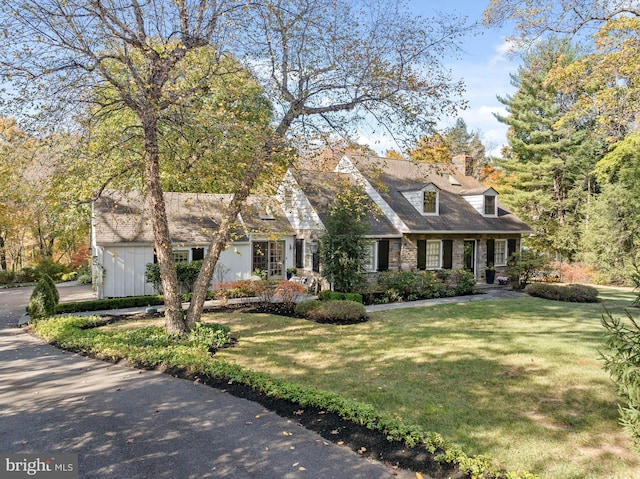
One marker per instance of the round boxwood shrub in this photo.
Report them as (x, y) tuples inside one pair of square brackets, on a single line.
[(339, 312), (304, 307), (575, 293)]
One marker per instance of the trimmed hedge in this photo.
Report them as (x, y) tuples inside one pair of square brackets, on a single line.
[(575, 293), (303, 308), (112, 303), (338, 312), (328, 295)]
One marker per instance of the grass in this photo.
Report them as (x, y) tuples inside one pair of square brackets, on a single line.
[(517, 380)]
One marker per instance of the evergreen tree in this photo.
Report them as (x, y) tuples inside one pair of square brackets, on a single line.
[(548, 163), (344, 251)]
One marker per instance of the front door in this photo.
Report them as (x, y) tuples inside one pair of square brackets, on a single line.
[(470, 255)]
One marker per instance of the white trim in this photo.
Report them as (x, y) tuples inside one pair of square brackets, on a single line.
[(426, 256), (505, 251)]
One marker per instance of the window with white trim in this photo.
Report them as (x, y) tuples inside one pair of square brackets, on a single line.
[(181, 256), (500, 253), (489, 205), (371, 258), (433, 254), (429, 202)]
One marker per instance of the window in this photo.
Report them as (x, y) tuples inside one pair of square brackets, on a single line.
[(371, 258), (500, 253), (432, 256), (259, 256), (181, 256), (489, 205), (268, 256), (430, 202)]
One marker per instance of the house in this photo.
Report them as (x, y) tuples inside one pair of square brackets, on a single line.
[(122, 242), (423, 215)]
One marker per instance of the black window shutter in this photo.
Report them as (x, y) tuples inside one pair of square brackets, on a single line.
[(447, 254), (491, 251), (511, 247), (197, 254), (299, 253), (422, 254), (383, 255)]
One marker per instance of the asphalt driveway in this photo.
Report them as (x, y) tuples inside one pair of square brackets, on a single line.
[(128, 423)]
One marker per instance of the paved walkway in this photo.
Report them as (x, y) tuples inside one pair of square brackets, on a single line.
[(127, 423)]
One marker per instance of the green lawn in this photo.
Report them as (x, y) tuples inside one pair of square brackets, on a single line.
[(518, 380)]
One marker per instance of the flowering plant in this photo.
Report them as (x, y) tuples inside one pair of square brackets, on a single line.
[(502, 279)]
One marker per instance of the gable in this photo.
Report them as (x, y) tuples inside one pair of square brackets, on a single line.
[(315, 194)]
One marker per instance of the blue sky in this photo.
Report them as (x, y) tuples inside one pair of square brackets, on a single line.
[(484, 66)]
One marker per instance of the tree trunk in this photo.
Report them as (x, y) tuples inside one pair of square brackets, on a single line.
[(3, 255), (174, 317), (219, 242)]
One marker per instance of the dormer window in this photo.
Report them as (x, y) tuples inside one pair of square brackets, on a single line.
[(429, 202), (489, 205), (424, 198)]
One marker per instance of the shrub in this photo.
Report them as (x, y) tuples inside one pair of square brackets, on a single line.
[(338, 312), (26, 275), (304, 307), (407, 285), (522, 266), (113, 303), (235, 289), (328, 295), (288, 292), (85, 279), (575, 293), (187, 272), (576, 272), (7, 277), (209, 335), (42, 303), (462, 281), (622, 362), (265, 289), (72, 276), (52, 287), (51, 268)]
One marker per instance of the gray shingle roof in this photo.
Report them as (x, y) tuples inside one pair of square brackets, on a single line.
[(391, 177), (321, 188), (123, 217)]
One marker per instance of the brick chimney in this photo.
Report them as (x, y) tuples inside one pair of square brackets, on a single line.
[(464, 164)]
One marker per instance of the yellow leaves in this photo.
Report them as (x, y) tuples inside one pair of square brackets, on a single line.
[(418, 475)]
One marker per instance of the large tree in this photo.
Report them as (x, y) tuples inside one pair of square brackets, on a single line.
[(606, 81), (547, 166), (344, 251), (334, 61)]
